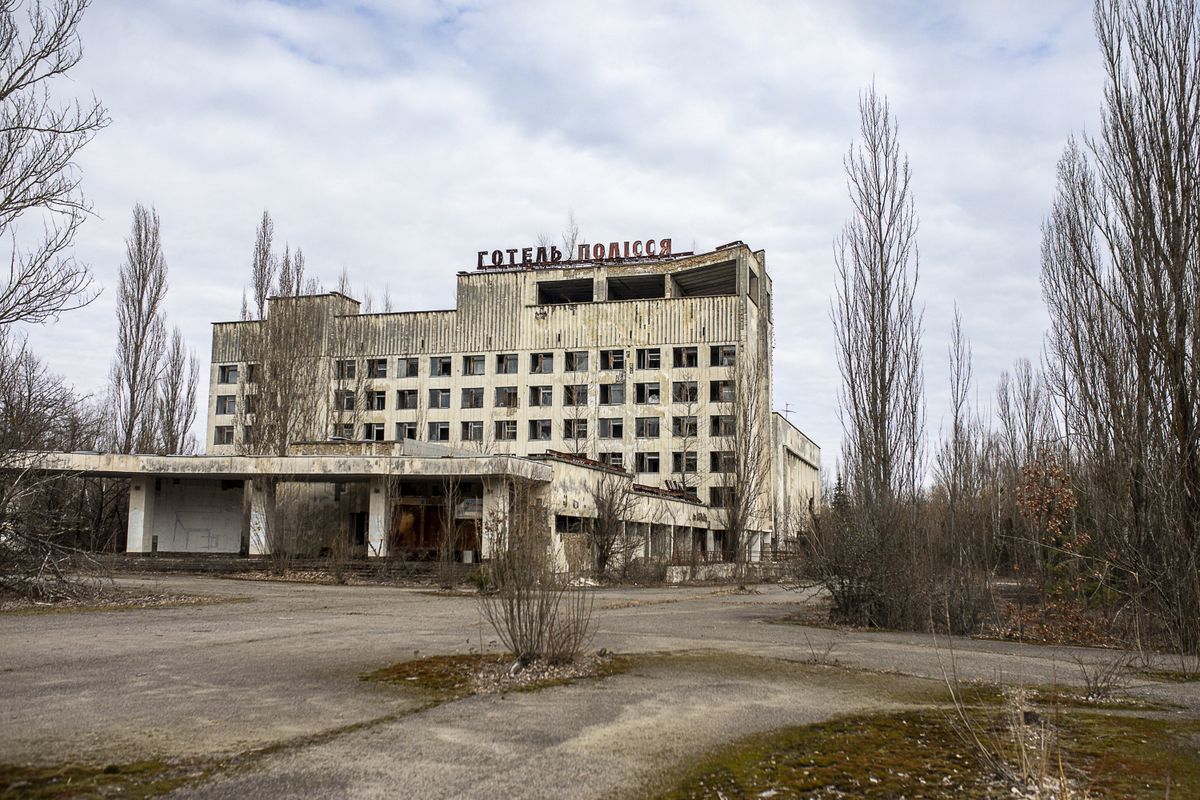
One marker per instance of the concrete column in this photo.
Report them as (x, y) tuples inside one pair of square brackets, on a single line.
[(377, 519), (710, 541), (141, 515), (495, 513), (262, 509)]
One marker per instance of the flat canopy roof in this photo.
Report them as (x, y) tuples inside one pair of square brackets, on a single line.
[(315, 468)]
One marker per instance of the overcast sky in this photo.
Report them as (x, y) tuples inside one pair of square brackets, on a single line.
[(397, 139)]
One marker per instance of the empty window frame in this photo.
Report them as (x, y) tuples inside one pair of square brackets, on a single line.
[(226, 404), (684, 392), (649, 358), (720, 391), (646, 427), (376, 400), (406, 399), (636, 287), (406, 430), (685, 357), (722, 355), (473, 365), (252, 371), (722, 425), (506, 430), (227, 373), (472, 397), (377, 367), (575, 428), (506, 364), (343, 430), (440, 367), (645, 462), (539, 430), (683, 426), (646, 393), (472, 431), (719, 496), (574, 290), (345, 400), (612, 428), (373, 431), (346, 369), (408, 367), (439, 431), (752, 286), (683, 462), (576, 361), (506, 397), (721, 461), (612, 394), (223, 434), (612, 359), (439, 398), (250, 403), (614, 459), (541, 363), (575, 394), (541, 396)]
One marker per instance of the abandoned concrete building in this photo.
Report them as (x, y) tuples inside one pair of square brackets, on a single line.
[(651, 372)]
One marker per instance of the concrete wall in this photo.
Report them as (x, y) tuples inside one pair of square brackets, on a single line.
[(195, 516)]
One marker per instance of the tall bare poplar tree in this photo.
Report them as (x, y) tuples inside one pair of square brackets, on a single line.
[(141, 335), (1121, 277), (177, 396), (262, 264)]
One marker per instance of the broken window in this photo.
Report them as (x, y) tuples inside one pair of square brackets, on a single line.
[(722, 355), (226, 404), (472, 431), (373, 431), (539, 429), (612, 428), (576, 361), (440, 367), (473, 365), (250, 403), (646, 393), (612, 394), (649, 358), (472, 398), (439, 398), (575, 394), (376, 367), (575, 428), (616, 459), (506, 364), (715, 279), (407, 367), (720, 461), (684, 392), (227, 373), (541, 363), (506, 397), (720, 391), (439, 431), (683, 462), (636, 287), (686, 357), (406, 430), (645, 462), (719, 497), (346, 370), (506, 430), (722, 425), (752, 287), (574, 290), (612, 359), (541, 396), (223, 434), (252, 371), (345, 400), (376, 401), (683, 426), (406, 398), (646, 427), (343, 430)]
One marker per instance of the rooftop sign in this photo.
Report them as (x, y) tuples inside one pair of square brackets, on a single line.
[(550, 257)]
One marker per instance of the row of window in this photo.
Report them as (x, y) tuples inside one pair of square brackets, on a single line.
[(539, 429), (721, 355)]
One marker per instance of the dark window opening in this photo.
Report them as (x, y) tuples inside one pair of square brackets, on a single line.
[(576, 290)]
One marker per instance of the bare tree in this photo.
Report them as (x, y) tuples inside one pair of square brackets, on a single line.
[(262, 264), (141, 335), (746, 467), (177, 396), (685, 436), (39, 181), (448, 531), (613, 502), (1121, 278)]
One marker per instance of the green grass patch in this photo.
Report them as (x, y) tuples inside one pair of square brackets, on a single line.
[(137, 779), (920, 755)]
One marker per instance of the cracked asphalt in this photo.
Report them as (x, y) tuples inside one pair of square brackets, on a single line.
[(282, 665)]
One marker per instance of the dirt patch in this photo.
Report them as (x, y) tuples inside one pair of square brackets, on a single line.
[(138, 779), (113, 599)]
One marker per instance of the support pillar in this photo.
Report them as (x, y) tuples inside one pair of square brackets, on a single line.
[(377, 519), (710, 541), (495, 514), (262, 510), (141, 515)]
